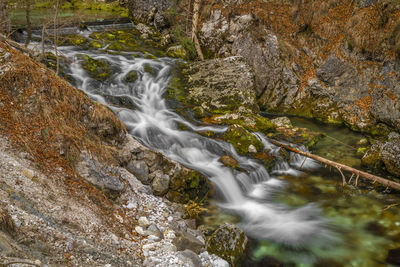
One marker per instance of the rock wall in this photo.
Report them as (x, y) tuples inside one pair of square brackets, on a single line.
[(300, 70)]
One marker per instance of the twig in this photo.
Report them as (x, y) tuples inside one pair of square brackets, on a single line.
[(390, 206), (301, 166), (343, 177), (351, 178)]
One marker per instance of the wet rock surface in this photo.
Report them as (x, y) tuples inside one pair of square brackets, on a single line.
[(228, 242)]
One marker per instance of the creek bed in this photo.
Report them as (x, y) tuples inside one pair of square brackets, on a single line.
[(362, 225)]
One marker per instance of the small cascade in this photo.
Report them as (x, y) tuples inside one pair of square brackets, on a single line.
[(249, 194)]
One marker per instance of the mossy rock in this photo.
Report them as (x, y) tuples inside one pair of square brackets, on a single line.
[(50, 60), (177, 52), (150, 56), (229, 162), (96, 44), (188, 185), (373, 157), (73, 40), (267, 159), (131, 77), (148, 69), (228, 242), (241, 139), (98, 69)]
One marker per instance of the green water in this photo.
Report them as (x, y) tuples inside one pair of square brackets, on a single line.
[(66, 16), (364, 220)]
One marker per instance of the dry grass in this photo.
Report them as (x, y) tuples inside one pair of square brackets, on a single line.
[(45, 116)]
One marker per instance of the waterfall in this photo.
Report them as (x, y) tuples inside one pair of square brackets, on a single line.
[(248, 194)]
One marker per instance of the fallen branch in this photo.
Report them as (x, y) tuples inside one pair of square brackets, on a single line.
[(342, 167), (17, 46)]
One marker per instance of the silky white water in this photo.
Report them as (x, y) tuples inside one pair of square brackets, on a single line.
[(250, 194)]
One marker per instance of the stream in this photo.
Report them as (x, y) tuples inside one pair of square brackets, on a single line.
[(296, 213)]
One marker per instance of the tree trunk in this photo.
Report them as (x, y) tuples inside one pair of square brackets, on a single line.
[(56, 10), (342, 167), (28, 21), (5, 24), (195, 22)]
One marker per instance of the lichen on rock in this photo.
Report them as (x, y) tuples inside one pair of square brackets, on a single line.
[(229, 242)]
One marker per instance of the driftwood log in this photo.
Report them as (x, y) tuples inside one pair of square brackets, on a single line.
[(341, 167)]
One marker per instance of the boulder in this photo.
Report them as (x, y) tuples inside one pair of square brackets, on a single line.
[(91, 170), (184, 240), (140, 170), (160, 183), (242, 140), (220, 86), (390, 152), (98, 69), (228, 242), (283, 122), (190, 258)]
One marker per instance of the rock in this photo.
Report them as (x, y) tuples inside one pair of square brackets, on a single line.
[(184, 241), (190, 258), (153, 230), (140, 231), (229, 242), (221, 85), (282, 122), (393, 257), (92, 171), (390, 152), (229, 162), (120, 101), (130, 148), (160, 183), (366, 3), (160, 22), (140, 170), (241, 139), (144, 222), (131, 76), (140, 9), (362, 141), (98, 69), (252, 149), (177, 51)]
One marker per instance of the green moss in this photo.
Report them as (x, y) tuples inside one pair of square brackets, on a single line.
[(148, 69), (361, 150), (241, 139), (188, 185), (73, 39), (373, 158), (131, 77), (95, 44), (97, 69), (177, 52), (150, 56)]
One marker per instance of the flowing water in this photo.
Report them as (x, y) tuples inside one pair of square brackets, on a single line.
[(287, 220)]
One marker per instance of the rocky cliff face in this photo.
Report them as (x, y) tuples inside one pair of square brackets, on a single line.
[(315, 60)]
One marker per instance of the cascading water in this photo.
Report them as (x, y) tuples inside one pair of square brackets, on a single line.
[(248, 194)]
